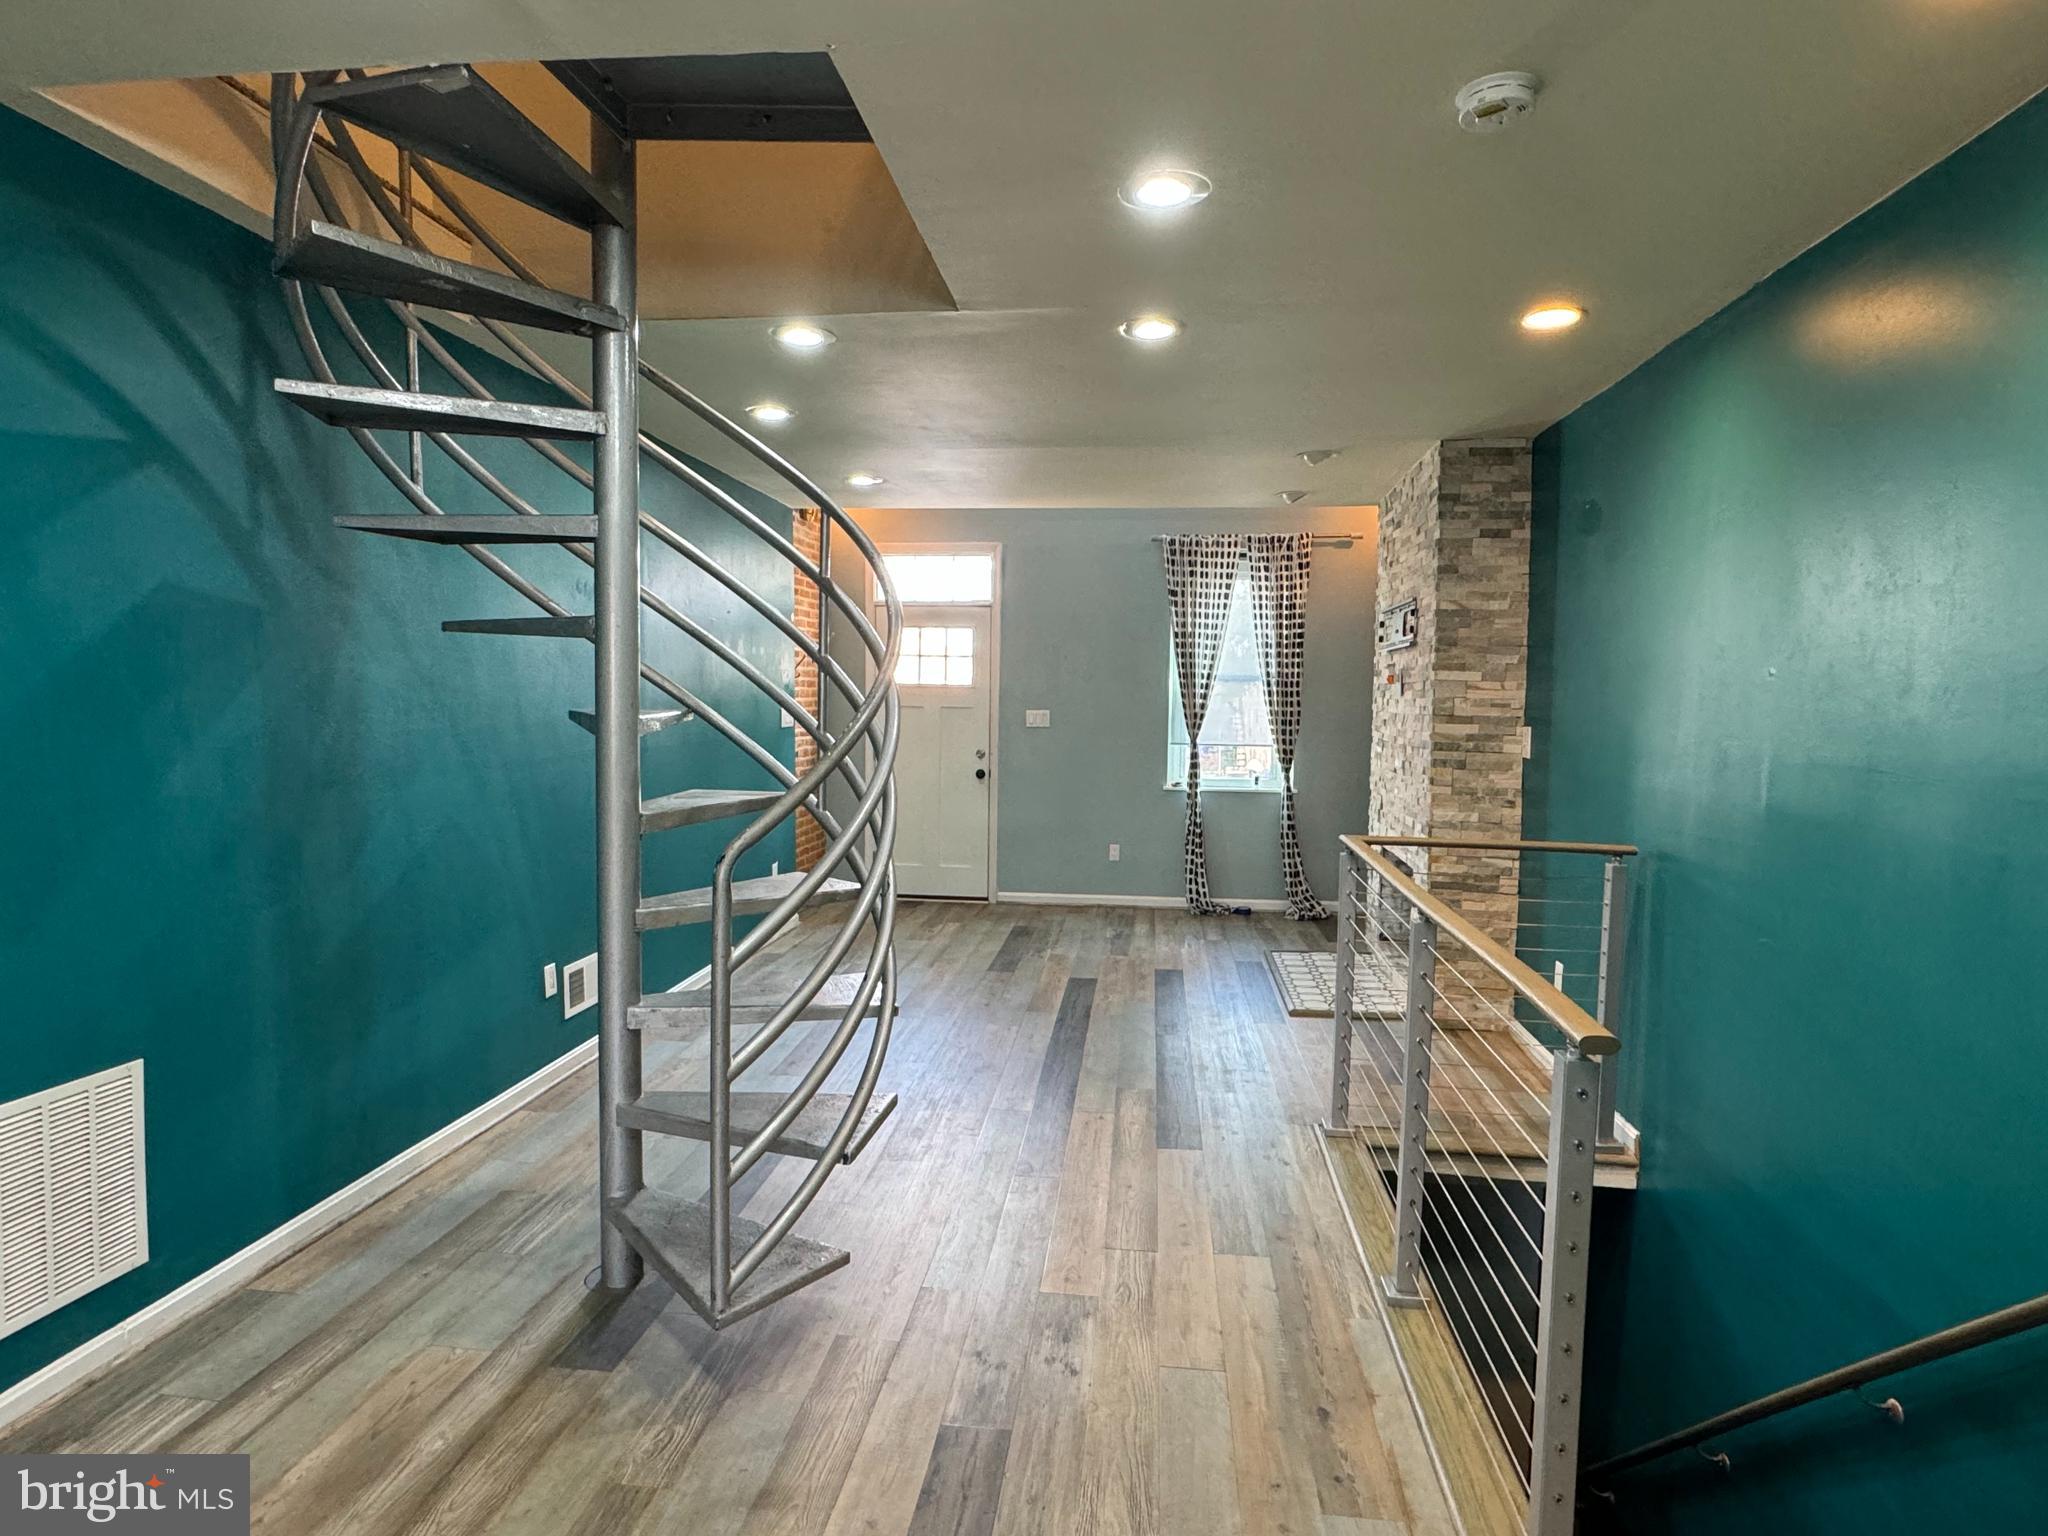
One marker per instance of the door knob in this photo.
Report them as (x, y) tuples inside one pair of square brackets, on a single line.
[(981, 773)]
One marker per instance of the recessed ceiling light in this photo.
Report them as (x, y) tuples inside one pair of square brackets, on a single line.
[(1159, 191), (1553, 317), (802, 336), (1291, 497), (863, 480), (1314, 456), (1150, 328), (770, 413)]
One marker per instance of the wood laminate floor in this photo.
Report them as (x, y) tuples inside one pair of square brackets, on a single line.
[(1100, 1284)]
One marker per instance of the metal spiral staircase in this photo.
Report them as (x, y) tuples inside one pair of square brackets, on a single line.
[(447, 118)]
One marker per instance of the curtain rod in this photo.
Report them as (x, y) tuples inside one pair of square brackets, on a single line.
[(1314, 538)]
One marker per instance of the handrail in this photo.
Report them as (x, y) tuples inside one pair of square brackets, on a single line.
[(1579, 1028), (1504, 844), (1974, 1334)]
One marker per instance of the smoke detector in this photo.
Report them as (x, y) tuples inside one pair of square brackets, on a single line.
[(1492, 102)]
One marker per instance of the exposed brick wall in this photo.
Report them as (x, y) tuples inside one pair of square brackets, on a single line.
[(1447, 733), (807, 535)]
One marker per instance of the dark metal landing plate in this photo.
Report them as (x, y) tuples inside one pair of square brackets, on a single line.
[(758, 97)]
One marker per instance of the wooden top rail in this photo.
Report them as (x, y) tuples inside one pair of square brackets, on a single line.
[(1502, 845), (1579, 1027)]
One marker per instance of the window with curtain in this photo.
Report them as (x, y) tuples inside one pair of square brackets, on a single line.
[(1237, 737)]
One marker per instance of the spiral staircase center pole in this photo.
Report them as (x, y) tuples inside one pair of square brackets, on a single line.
[(616, 378)]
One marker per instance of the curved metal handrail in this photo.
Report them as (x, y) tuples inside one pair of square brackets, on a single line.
[(1973, 1334), (874, 722)]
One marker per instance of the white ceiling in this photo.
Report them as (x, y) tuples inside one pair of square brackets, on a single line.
[(1355, 279)]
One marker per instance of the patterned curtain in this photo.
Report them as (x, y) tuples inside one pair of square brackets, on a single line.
[(1201, 568), (1280, 566)]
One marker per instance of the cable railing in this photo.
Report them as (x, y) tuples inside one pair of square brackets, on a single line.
[(1475, 1083), (309, 112)]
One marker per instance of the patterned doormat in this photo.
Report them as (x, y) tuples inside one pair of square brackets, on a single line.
[(1307, 979), (1307, 982)]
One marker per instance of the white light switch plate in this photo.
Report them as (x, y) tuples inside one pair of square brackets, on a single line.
[(549, 983), (1038, 717)]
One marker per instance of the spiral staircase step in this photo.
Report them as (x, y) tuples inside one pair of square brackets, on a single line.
[(756, 895), (686, 1014), (688, 1114), (453, 116), (400, 410), (573, 626), (342, 258), (691, 806), (651, 720), (674, 1236), (495, 529)]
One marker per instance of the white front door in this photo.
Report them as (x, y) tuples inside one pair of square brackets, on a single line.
[(945, 765)]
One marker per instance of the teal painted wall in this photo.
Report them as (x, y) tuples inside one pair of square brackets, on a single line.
[(267, 828), (1789, 634), (1085, 634)]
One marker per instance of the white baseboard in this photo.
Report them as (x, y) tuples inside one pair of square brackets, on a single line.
[(1089, 899), (166, 1312)]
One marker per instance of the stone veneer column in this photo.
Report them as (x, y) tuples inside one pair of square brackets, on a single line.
[(1447, 730)]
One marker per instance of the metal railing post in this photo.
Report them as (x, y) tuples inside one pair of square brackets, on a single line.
[(1561, 1308), (1402, 1287), (1340, 998), (615, 392), (1613, 957)]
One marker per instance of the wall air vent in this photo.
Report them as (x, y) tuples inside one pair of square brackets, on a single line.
[(579, 986), (73, 1202)]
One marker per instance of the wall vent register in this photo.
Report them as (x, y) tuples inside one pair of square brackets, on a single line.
[(579, 986), (73, 1199)]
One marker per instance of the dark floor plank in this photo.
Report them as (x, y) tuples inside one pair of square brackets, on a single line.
[(1176, 1107), (1025, 940), (1059, 1076), (963, 1484)]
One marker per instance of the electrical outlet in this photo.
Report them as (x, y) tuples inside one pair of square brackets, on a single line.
[(775, 868), (549, 985), (579, 986), (1557, 976), (1116, 853), (1528, 740), (1037, 718)]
